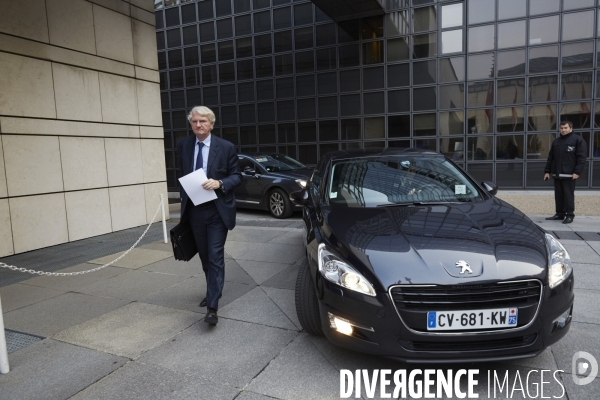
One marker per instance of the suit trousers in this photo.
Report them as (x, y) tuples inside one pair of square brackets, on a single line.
[(210, 233), (564, 197)]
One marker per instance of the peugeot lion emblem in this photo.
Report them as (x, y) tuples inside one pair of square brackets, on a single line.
[(464, 266)]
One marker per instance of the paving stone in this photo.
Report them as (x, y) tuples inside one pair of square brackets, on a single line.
[(162, 246), (545, 360), (252, 234), (76, 282), (138, 257), (54, 370), (586, 308), (568, 235), (583, 255), (140, 381), (291, 237), (286, 301), (587, 276), (269, 252), (581, 337), (286, 279), (21, 295), (235, 273), (255, 306), (130, 330), (248, 395), (132, 285), (299, 372), (58, 313), (172, 266), (230, 353), (261, 271), (590, 236), (589, 391), (567, 242), (595, 246)]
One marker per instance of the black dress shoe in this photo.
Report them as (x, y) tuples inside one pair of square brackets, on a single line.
[(555, 217), (203, 302), (568, 220), (211, 317)]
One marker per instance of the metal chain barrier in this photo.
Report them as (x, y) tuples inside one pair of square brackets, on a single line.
[(34, 272)]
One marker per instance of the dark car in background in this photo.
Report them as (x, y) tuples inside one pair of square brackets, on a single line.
[(410, 258), (267, 181)]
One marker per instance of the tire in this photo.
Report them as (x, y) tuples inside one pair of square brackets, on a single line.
[(280, 205), (307, 305)]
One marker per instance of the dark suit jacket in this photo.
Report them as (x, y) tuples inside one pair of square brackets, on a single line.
[(222, 165)]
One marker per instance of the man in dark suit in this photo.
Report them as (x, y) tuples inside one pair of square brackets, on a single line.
[(210, 221)]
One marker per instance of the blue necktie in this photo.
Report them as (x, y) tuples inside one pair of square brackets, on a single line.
[(199, 160)]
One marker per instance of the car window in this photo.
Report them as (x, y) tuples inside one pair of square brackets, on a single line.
[(389, 180), (278, 162), (317, 178), (244, 163)]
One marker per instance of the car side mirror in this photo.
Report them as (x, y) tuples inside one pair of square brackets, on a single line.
[(491, 187), (249, 171), (300, 197)]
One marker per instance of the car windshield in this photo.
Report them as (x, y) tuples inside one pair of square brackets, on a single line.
[(397, 180), (278, 162)]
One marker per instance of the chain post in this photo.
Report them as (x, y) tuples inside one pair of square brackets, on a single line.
[(4, 367), (164, 221)]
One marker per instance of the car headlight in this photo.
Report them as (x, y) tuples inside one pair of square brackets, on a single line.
[(559, 262), (340, 273), (301, 183)]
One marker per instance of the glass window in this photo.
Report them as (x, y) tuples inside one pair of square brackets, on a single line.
[(245, 91), (543, 30), (262, 21), (452, 123), (350, 129), (222, 8), (246, 117), (209, 74), (576, 86), (424, 125), (243, 25), (305, 85), (282, 18), (541, 118), (373, 102), (158, 18), (398, 75), (539, 145), (452, 15), (162, 60), (373, 78), (373, 52), (578, 113), (511, 91), (425, 19), (452, 147), (229, 115), (266, 134), (307, 154), (511, 34), (303, 14), (321, 16), (481, 11), (241, 6), (425, 45), (306, 110), (426, 144), (397, 23), (160, 40), (303, 38), (224, 28), (328, 130), (350, 104), (509, 147), (265, 90), (372, 28), (262, 44), (424, 99), (286, 133), (543, 59), (574, 4), (481, 172), (227, 93), (399, 126), (173, 38), (208, 52), (258, 4), (577, 56), (327, 83), (227, 72), (325, 34), (508, 9), (175, 60), (285, 87), (192, 77), (190, 56), (350, 80), (349, 56), (328, 107), (510, 119), (225, 50), (188, 14), (244, 47), (348, 31), (266, 112), (578, 25), (305, 61), (543, 6), (480, 148), (207, 31), (263, 67), (543, 88), (178, 98), (283, 41), (481, 38), (211, 95), (284, 64), (511, 62), (452, 96), (190, 34), (509, 175), (480, 121), (399, 100), (194, 97), (452, 41), (424, 72), (245, 69), (480, 66), (374, 128), (326, 59), (205, 10), (398, 49), (481, 94), (596, 152), (452, 69)]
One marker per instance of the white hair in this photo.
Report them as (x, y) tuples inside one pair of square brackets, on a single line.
[(204, 112)]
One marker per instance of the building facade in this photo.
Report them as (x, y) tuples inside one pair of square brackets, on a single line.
[(485, 82), (81, 138)]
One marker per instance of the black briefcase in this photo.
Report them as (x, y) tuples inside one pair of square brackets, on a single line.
[(182, 239)]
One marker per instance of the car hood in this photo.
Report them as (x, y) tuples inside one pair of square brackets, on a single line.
[(431, 244), (302, 173)]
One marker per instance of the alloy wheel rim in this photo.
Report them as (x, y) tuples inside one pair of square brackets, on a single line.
[(276, 204)]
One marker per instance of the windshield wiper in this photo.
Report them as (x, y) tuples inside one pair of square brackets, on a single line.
[(418, 203)]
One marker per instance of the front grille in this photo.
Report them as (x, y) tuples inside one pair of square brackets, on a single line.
[(467, 297), (472, 345)]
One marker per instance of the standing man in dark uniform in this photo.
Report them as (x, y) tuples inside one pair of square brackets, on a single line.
[(566, 161), (210, 221)]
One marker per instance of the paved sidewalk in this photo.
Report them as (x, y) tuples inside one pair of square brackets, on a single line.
[(134, 330)]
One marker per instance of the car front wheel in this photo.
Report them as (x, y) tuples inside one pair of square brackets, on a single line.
[(280, 205), (307, 306)]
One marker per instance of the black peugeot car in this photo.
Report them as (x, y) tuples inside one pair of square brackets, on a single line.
[(268, 180), (410, 258)]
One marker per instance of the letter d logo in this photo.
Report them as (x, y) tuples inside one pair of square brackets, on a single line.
[(582, 367)]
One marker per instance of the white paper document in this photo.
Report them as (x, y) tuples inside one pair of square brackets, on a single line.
[(192, 184)]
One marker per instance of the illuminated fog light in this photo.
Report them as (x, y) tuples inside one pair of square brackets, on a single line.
[(344, 326), (562, 320)]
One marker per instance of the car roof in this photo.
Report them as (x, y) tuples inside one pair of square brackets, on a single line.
[(254, 155), (373, 152)]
